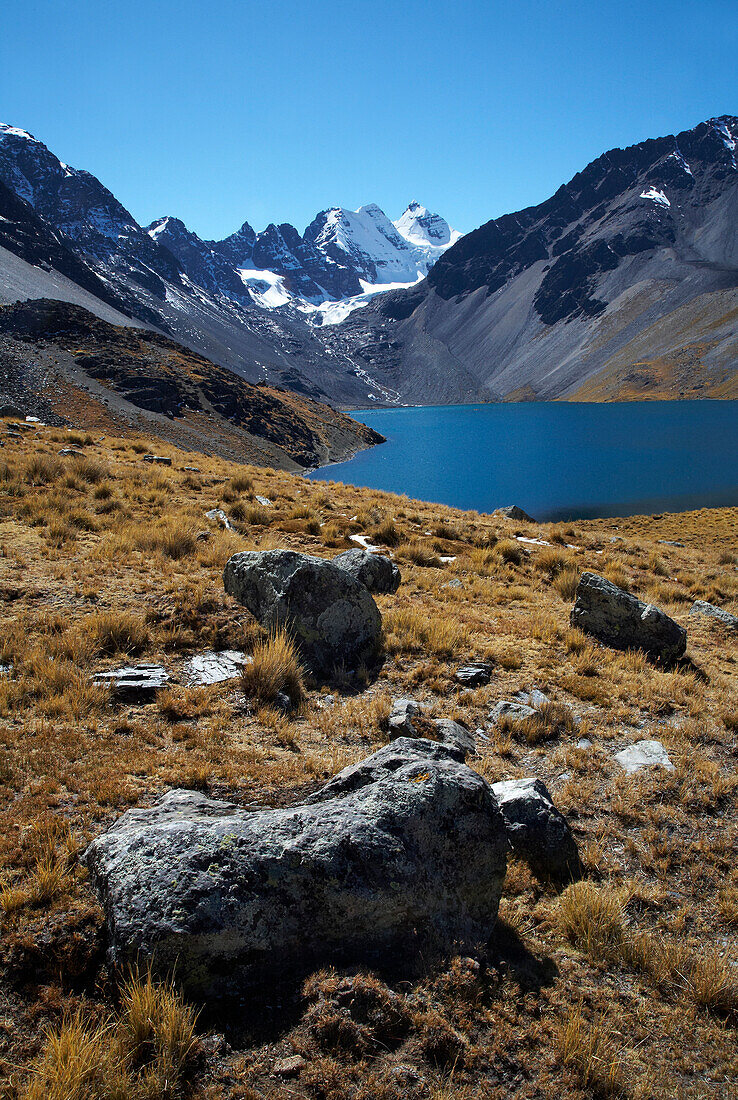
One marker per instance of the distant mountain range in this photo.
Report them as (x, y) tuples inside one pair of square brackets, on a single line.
[(622, 284)]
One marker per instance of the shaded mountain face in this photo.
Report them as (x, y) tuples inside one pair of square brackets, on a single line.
[(212, 310), (65, 362), (635, 258)]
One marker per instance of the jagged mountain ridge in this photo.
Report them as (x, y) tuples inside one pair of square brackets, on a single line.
[(144, 279), (624, 282), (342, 254), (222, 299)]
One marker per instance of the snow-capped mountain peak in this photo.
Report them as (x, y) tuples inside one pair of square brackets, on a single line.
[(15, 131), (418, 226)]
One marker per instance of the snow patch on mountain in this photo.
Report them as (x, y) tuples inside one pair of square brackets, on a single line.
[(265, 287), (656, 196)]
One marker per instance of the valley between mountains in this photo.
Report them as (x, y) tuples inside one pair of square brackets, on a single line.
[(621, 286)]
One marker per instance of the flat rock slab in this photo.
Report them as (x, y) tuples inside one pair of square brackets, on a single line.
[(538, 832), (265, 502), (159, 460), (508, 709), (474, 675), (707, 610), (331, 616), (215, 666), (644, 754), (134, 682), (376, 572), (409, 862), (625, 622)]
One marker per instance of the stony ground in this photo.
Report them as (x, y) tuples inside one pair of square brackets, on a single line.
[(623, 985)]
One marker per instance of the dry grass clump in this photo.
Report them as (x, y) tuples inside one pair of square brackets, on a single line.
[(551, 720), (410, 630), (241, 483), (42, 469), (111, 632), (510, 551), (387, 532), (551, 561), (174, 537), (275, 668), (418, 554), (592, 917), (592, 1049), (91, 470), (565, 582), (157, 1026), (142, 1054)]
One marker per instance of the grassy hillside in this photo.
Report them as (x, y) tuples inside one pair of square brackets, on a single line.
[(623, 985)]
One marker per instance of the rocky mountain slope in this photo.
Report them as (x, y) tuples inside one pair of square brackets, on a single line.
[(60, 362), (251, 302), (624, 283)]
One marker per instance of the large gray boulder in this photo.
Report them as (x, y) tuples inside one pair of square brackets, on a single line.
[(538, 832), (377, 572), (331, 616), (623, 621), (386, 761), (413, 860)]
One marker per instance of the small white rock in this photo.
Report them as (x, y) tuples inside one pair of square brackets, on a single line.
[(644, 754)]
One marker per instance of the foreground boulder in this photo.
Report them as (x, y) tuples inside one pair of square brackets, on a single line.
[(375, 571), (331, 616), (411, 860), (538, 833), (625, 622)]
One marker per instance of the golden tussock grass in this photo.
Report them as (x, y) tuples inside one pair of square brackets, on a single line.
[(142, 1053), (275, 667), (97, 571), (409, 629), (510, 551)]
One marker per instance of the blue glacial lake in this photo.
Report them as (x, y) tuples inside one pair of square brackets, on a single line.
[(555, 460)]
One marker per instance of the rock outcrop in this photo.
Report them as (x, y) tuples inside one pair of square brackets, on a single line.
[(625, 622), (406, 719), (538, 832), (331, 616), (703, 609), (375, 571), (407, 857)]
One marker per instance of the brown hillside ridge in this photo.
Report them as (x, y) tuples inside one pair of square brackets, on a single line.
[(622, 984), (64, 363)]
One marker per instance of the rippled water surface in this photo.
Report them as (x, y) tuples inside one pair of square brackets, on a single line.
[(555, 460)]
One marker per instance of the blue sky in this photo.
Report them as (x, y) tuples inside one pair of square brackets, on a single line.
[(261, 110)]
